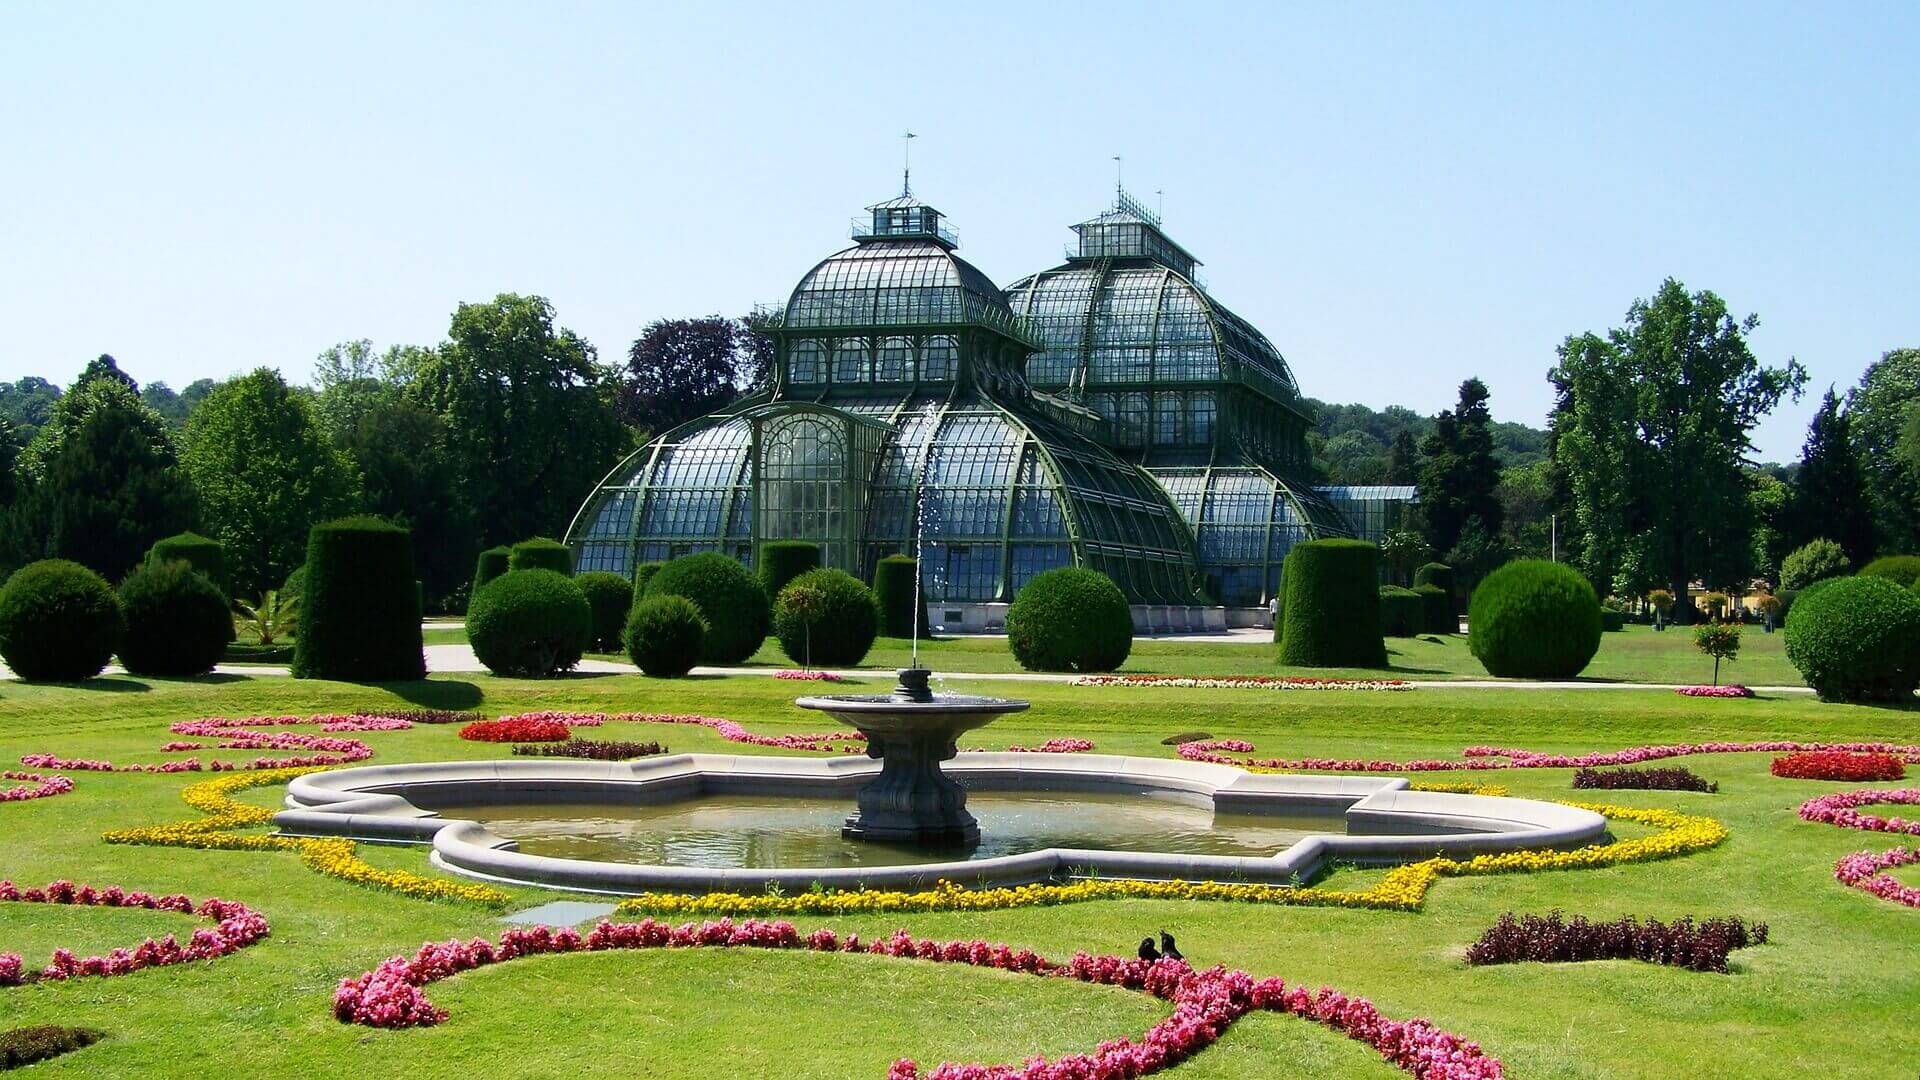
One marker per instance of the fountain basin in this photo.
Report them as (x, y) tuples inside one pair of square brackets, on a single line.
[(1385, 822)]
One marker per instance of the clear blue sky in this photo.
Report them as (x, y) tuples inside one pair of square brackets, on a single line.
[(1399, 196)]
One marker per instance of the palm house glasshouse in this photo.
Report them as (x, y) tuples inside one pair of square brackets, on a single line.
[(1106, 413)]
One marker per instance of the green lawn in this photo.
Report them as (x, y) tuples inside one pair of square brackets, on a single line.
[(1834, 994)]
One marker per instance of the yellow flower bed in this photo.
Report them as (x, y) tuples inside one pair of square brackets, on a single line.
[(1462, 787), (331, 856), (1403, 888)]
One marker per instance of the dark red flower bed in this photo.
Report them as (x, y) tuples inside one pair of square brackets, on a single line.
[(1701, 946), (431, 716), (24, 1046), (1674, 779), (516, 729), (1838, 765), (598, 750)]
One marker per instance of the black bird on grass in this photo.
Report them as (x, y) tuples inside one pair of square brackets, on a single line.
[(1147, 951), (1167, 947)]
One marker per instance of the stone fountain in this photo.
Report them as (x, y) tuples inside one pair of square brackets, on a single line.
[(911, 731)]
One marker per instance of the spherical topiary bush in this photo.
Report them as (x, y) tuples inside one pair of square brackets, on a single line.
[(529, 623), (643, 574), (1332, 612), (729, 598), (178, 622), (893, 579), (1815, 560), (1403, 613), (1533, 619), (780, 561), (610, 595), (664, 635), (59, 622), (1070, 619), (1436, 610), (1856, 639), (490, 564), (826, 617), (203, 553), (360, 607), (1902, 570), (540, 553)]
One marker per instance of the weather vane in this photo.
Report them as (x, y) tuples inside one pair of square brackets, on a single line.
[(1118, 188), (906, 163)]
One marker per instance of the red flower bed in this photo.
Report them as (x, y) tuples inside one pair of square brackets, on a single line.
[(517, 729), (1838, 765)]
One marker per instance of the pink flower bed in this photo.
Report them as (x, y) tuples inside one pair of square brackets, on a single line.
[(49, 761), (1868, 872), (1838, 809), (236, 927), (1205, 1003), (1729, 691), (1243, 682), (1056, 746), (214, 727), (1493, 757), (726, 729), (38, 786), (808, 676)]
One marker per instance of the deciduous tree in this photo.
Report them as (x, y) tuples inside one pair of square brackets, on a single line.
[(679, 369), (1878, 411)]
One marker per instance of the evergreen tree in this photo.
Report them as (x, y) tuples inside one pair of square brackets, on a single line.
[(409, 478), (101, 385), (1829, 492), (1403, 459), (1458, 475)]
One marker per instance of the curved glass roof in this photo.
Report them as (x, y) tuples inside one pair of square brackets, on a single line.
[(1245, 519), (895, 283)]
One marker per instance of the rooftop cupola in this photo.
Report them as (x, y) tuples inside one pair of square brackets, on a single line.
[(904, 218), (1131, 231)]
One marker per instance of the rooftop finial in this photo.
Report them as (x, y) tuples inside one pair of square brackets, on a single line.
[(1117, 188), (1160, 203), (906, 164)]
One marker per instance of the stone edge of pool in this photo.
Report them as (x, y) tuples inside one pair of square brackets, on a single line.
[(1386, 822)]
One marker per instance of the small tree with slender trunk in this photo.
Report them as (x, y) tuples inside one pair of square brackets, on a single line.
[(1719, 640)]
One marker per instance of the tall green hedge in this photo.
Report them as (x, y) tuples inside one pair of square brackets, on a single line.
[(1403, 612), (1902, 570), (610, 595), (1436, 605), (826, 617), (1332, 613), (360, 607), (729, 598), (540, 553), (1070, 619), (490, 564), (780, 561), (893, 591), (1440, 576), (203, 553), (1856, 639), (1534, 619)]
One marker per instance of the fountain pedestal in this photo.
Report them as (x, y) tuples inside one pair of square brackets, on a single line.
[(911, 731)]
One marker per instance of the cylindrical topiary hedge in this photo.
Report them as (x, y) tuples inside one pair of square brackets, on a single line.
[(1534, 619), (178, 621), (826, 617), (490, 564), (1902, 570), (359, 607), (1440, 576), (1856, 639), (203, 553), (664, 635), (893, 591), (529, 624), (1403, 613), (643, 574), (610, 595), (1332, 612), (540, 553), (1436, 610), (1070, 619), (780, 561), (729, 598), (59, 622)]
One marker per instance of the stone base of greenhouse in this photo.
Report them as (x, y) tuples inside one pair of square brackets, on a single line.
[(991, 618)]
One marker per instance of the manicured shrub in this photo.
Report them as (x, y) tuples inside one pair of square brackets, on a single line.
[(1675, 778), (780, 561), (490, 564), (203, 553), (1185, 737), (1403, 613), (1441, 576), (643, 574), (826, 617), (893, 580), (1332, 612), (23, 1046), (360, 608), (665, 635), (1838, 765), (59, 622), (1436, 610), (540, 553), (178, 622), (1070, 619), (1612, 621), (610, 595), (1534, 619), (530, 623), (729, 598), (1554, 939), (1815, 560), (1902, 570), (1856, 639)]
